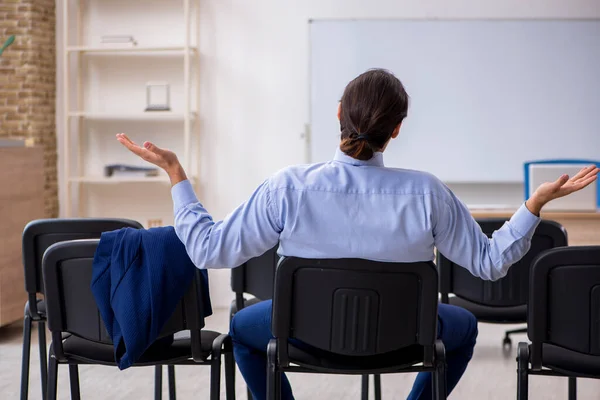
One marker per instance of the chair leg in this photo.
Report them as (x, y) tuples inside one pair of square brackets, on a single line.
[(215, 373), (158, 382), (52, 378), (435, 382), (441, 384), (572, 388), (25, 356), (513, 331), (74, 380), (439, 376), (273, 373), (43, 356), (233, 308), (278, 374), (171, 373), (230, 373), (523, 371), (377, 386), (248, 392), (364, 387)]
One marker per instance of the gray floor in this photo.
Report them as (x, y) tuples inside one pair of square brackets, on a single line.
[(491, 375)]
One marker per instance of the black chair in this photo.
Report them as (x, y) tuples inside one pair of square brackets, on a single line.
[(503, 301), (38, 235), (255, 277), (563, 322), (80, 337), (355, 317)]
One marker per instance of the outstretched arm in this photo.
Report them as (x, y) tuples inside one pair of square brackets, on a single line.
[(249, 231), (458, 236)]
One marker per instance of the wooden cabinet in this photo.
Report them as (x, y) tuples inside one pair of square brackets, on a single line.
[(21, 200), (583, 228)]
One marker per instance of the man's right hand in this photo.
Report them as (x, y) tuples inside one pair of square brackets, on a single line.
[(162, 158), (563, 186)]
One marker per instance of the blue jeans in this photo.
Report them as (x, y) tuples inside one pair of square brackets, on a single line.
[(251, 332)]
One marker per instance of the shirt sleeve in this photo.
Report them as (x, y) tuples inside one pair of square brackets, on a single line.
[(460, 239), (247, 232)]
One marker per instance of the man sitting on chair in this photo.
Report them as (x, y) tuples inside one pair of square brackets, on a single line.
[(354, 207)]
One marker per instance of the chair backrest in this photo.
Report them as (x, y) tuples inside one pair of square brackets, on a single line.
[(355, 307), (511, 290), (564, 301), (71, 307), (40, 234), (256, 276)]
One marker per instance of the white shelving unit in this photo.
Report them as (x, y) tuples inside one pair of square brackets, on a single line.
[(79, 113), (114, 180), (154, 115), (132, 50)]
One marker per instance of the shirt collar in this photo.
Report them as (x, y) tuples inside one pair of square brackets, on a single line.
[(375, 161)]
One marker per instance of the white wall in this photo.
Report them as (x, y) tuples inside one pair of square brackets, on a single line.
[(254, 86)]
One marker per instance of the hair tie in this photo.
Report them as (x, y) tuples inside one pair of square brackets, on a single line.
[(363, 136)]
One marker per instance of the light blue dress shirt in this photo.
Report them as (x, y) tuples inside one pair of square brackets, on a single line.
[(347, 208)]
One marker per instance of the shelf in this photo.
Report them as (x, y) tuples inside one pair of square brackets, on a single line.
[(115, 180), (130, 50), (148, 115), (103, 180)]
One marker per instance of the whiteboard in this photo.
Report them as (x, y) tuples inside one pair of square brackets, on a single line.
[(486, 95)]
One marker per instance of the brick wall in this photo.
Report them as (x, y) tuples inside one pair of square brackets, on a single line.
[(28, 82)]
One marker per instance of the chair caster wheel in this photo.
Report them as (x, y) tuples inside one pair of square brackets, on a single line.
[(506, 346)]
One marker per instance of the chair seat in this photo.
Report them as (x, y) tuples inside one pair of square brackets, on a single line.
[(247, 303), (41, 308), (569, 361), (86, 351), (320, 360), (503, 315)]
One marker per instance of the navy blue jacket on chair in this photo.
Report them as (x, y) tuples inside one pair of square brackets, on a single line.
[(139, 277)]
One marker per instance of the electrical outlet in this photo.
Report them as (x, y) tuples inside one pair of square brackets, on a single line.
[(153, 223)]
